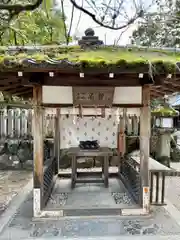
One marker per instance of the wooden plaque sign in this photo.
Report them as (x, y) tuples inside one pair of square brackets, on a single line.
[(89, 96)]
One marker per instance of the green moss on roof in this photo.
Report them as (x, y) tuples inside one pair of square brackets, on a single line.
[(106, 57), (165, 111)]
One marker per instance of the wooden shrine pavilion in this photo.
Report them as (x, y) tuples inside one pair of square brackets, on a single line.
[(72, 77)]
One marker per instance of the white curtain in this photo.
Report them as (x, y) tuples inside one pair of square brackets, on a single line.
[(73, 130)]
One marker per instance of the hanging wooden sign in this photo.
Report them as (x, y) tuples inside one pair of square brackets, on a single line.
[(89, 96)]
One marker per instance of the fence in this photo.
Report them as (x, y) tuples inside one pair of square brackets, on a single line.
[(17, 124)]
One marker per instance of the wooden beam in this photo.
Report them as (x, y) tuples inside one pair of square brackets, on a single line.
[(10, 86), (8, 81), (16, 90), (163, 92), (38, 149), (173, 83), (54, 105), (90, 81), (16, 105), (172, 87), (145, 129), (29, 106), (23, 92), (157, 93), (164, 89), (62, 77)]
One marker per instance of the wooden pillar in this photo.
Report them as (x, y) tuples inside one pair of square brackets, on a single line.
[(38, 150), (122, 137), (145, 128), (57, 140), (121, 134)]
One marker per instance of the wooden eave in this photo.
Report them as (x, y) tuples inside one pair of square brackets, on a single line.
[(21, 85)]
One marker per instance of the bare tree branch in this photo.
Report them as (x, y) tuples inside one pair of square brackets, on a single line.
[(64, 21), (71, 22), (111, 13), (79, 19), (121, 34), (67, 33)]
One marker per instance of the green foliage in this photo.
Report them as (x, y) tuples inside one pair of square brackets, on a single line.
[(161, 28), (155, 103), (42, 26)]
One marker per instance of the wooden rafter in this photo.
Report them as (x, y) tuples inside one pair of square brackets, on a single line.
[(23, 92), (16, 90), (163, 90)]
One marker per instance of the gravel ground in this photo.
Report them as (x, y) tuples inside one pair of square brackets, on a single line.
[(11, 182)]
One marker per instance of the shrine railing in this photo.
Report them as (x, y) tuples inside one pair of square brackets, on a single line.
[(130, 175), (157, 187), (48, 178)]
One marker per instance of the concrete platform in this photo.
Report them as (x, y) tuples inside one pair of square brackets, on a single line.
[(90, 198)]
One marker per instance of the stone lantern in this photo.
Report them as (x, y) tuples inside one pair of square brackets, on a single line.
[(163, 126)]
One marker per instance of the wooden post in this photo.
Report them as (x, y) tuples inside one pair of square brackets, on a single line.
[(57, 139), (122, 132), (38, 150), (122, 138), (145, 128)]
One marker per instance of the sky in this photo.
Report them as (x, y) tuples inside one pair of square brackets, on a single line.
[(104, 34)]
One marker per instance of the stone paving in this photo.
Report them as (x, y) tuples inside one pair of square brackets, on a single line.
[(23, 227), (11, 182), (173, 191), (90, 195)]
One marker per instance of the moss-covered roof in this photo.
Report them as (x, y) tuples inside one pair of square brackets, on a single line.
[(165, 112), (109, 58)]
